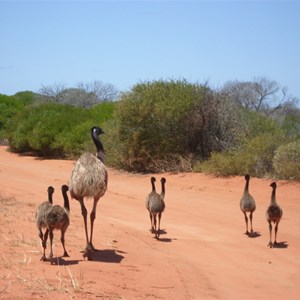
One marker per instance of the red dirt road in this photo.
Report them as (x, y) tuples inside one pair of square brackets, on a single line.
[(203, 252)]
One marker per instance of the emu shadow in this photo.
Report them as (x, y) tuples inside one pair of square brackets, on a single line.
[(59, 261), (107, 256), (164, 240), (281, 245), (253, 235), (162, 231)]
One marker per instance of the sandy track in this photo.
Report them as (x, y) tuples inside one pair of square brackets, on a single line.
[(202, 254)]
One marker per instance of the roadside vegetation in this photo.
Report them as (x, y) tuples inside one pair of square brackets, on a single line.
[(157, 126)]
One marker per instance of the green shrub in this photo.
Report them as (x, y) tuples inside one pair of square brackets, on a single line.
[(56, 130), (219, 164), (151, 124), (255, 157), (287, 161), (253, 124), (10, 106)]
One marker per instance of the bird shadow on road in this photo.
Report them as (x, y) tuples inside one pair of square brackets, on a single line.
[(254, 234), (59, 261), (107, 255), (165, 240), (281, 245)]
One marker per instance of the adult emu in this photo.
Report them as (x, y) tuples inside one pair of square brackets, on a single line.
[(89, 179)]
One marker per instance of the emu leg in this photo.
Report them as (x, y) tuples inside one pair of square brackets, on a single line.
[(84, 214), (93, 217), (63, 243), (246, 220), (251, 221), (41, 236), (155, 229), (158, 230), (44, 243), (51, 243), (270, 229), (276, 229), (151, 229)]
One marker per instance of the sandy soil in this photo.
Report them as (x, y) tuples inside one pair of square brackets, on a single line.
[(203, 252)]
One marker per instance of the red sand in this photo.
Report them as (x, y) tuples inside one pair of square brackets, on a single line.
[(203, 252)]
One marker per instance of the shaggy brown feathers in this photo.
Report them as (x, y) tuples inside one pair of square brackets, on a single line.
[(273, 214), (89, 179), (156, 206), (247, 204), (41, 219), (58, 218)]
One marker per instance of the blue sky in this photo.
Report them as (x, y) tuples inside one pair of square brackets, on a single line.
[(127, 42)]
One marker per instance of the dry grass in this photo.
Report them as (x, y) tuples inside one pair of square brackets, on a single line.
[(17, 267), (16, 259), (7, 201), (64, 282)]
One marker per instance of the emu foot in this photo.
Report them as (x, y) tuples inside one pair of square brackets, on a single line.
[(50, 258), (66, 254), (87, 254), (90, 247), (43, 258), (270, 245)]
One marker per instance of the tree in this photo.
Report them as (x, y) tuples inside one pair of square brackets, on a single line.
[(103, 91), (261, 94), (84, 95), (51, 92)]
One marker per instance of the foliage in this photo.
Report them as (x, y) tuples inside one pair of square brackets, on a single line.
[(255, 152), (161, 126), (55, 130), (291, 124), (151, 123), (287, 161), (83, 95), (258, 95), (11, 105), (213, 125)]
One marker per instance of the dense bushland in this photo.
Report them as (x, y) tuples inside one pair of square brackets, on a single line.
[(287, 161), (9, 106), (164, 126)]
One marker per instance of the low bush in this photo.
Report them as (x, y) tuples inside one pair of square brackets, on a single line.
[(167, 125), (55, 130), (287, 161), (151, 123), (10, 106), (255, 157)]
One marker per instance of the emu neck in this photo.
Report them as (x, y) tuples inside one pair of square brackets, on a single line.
[(50, 198), (99, 146), (163, 191), (153, 186), (246, 190), (66, 201), (273, 196)]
